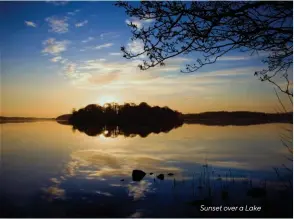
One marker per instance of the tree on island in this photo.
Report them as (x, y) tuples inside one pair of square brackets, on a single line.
[(127, 119), (212, 29)]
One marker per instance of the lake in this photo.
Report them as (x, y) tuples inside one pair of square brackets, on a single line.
[(51, 170)]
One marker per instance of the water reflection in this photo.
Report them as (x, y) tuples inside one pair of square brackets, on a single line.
[(49, 171), (138, 190), (99, 164), (125, 130)]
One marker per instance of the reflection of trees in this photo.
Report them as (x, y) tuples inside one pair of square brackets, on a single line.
[(129, 120)]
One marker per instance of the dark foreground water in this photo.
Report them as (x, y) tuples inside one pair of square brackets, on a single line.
[(47, 170)]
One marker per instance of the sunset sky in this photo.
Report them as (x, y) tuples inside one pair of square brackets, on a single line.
[(56, 56)]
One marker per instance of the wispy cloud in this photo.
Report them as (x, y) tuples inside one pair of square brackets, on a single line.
[(106, 45), (137, 23), (63, 61), (58, 3), (88, 39), (229, 72), (102, 72), (54, 47), (117, 75), (109, 35), (30, 24), (233, 58), (115, 53), (81, 24), (72, 13), (70, 71), (58, 25), (104, 78), (56, 59), (136, 47), (70, 68)]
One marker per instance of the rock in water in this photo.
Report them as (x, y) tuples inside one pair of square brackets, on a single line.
[(160, 176), (138, 175), (170, 174)]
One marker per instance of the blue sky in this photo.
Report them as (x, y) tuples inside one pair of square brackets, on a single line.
[(67, 55)]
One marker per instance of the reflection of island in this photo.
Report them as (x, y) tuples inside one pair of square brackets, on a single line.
[(22, 119), (128, 119)]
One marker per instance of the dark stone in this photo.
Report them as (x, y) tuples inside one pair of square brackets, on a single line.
[(138, 175), (160, 176)]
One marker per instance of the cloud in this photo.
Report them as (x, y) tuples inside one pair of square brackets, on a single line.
[(81, 24), (104, 78), (58, 3), (137, 23), (136, 47), (70, 68), (228, 72), (30, 24), (58, 25), (88, 39), (109, 35), (106, 45), (94, 61), (246, 56), (54, 47), (72, 13), (149, 20), (115, 53), (63, 61), (117, 76), (71, 72), (56, 59), (120, 74), (233, 58)]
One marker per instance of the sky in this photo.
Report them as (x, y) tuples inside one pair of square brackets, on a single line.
[(56, 56)]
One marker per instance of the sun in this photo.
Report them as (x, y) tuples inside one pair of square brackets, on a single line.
[(107, 99)]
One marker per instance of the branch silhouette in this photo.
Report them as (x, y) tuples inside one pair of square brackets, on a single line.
[(212, 29)]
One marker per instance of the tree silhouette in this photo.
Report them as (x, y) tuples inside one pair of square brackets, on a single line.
[(128, 119), (212, 29)]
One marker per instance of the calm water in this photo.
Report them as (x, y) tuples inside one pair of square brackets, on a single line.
[(47, 170)]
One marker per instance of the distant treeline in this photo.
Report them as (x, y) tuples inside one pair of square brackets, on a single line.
[(4, 119), (237, 118), (127, 119)]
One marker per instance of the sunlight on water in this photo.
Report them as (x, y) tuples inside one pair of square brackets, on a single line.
[(49, 161)]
